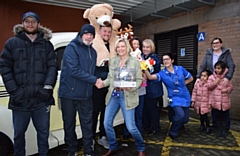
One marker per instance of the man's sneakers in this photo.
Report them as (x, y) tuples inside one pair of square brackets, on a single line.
[(104, 142)]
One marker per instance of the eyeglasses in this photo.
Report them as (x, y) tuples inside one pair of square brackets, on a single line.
[(215, 42), (166, 59), (30, 22)]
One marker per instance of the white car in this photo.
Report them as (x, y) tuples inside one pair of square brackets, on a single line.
[(56, 137)]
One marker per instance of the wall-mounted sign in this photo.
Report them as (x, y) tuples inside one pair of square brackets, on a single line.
[(201, 36), (182, 50)]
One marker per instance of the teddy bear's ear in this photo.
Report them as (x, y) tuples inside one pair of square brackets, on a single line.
[(108, 6), (86, 13)]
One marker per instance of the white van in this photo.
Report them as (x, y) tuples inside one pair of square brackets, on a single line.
[(56, 137)]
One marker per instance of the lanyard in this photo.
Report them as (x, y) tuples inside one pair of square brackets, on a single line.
[(175, 81)]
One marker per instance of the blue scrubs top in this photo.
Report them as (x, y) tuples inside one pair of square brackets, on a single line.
[(175, 84)]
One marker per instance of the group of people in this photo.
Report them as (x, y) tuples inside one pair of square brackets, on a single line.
[(211, 93), (29, 70)]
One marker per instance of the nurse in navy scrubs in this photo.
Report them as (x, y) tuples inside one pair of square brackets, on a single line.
[(175, 79)]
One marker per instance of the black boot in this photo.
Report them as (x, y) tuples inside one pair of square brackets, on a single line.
[(219, 129), (224, 129), (208, 130), (202, 128)]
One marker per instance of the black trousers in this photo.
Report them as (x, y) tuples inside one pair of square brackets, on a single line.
[(99, 105), (204, 119), (151, 113), (69, 110)]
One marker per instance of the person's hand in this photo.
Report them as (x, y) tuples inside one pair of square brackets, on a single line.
[(217, 80), (193, 103), (224, 91), (197, 80), (144, 79), (127, 88), (99, 83), (225, 81), (209, 106)]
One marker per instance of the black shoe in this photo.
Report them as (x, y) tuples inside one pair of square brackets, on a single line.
[(224, 133), (208, 130), (202, 128), (153, 133), (219, 133), (146, 128), (125, 137), (174, 138), (182, 128)]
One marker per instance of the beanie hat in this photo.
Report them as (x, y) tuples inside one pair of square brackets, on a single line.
[(87, 28), (30, 14)]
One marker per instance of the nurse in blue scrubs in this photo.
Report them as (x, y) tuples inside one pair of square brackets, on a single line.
[(175, 79)]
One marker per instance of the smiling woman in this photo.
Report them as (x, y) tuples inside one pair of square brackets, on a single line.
[(175, 79)]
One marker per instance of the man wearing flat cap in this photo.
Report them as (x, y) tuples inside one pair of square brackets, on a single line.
[(29, 71), (75, 91)]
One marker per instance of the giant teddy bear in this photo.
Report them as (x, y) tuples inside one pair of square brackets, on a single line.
[(101, 14)]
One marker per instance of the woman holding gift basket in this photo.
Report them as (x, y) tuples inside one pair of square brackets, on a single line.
[(125, 98)]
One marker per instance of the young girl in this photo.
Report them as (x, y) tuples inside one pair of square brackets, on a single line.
[(200, 100), (220, 96)]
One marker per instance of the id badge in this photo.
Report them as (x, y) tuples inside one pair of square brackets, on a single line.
[(175, 90), (115, 93)]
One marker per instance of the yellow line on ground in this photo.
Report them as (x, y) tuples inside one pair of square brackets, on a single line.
[(197, 120), (167, 144), (236, 135)]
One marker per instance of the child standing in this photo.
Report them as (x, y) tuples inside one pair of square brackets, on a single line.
[(200, 100), (220, 96)]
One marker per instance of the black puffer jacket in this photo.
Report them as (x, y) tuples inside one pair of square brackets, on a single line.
[(26, 67)]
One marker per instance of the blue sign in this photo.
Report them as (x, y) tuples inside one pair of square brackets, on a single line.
[(201, 36), (182, 52)]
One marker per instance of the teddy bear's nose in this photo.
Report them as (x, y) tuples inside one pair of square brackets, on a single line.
[(106, 23)]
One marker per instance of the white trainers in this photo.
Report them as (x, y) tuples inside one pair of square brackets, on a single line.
[(104, 142)]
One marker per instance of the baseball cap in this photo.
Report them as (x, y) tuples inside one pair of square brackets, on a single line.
[(30, 14)]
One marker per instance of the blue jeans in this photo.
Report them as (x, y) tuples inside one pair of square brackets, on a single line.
[(181, 116), (138, 116), (69, 109), (40, 119), (112, 108)]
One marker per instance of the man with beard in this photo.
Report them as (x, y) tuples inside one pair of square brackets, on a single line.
[(75, 91), (99, 95), (29, 71)]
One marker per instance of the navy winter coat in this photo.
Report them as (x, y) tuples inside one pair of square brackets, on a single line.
[(77, 80), (154, 88), (26, 67)]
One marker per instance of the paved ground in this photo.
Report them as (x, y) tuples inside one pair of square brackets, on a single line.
[(191, 142)]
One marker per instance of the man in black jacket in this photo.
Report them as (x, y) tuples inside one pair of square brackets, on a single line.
[(99, 95), (29, 71)]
